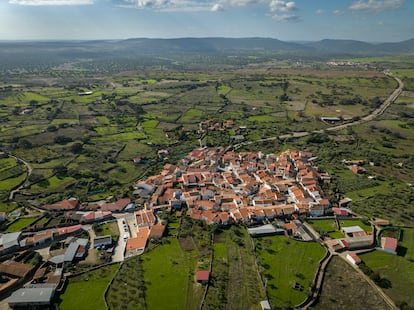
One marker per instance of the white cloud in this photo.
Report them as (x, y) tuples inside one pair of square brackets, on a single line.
[(320, 12), (152, 3), (240, 3), (338, 12), (282, 6), (376, 5), (287, 18), (51, 2), (217, 7)]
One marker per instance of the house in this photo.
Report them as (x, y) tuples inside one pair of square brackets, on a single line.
[(389, 245), (40, 239), (341, 212), (136, 246), (117, 206), (64, 205), (353, 258), (145, 218), (203, 276)]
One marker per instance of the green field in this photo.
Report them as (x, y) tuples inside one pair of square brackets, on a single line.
[(87, 291), (399, 269), (285, 261), (348, 223), (19, 224), (168, 272)]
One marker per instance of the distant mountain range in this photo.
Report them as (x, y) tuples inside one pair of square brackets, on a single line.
[(48, 51), (208, 45)]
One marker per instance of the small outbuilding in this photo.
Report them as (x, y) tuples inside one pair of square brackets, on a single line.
[(265, 305), (203, 276)]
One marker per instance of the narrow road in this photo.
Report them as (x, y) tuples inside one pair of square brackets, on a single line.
[(375, 113), (29, 170)]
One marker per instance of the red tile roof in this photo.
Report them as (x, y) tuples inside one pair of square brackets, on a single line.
[(203, 275)]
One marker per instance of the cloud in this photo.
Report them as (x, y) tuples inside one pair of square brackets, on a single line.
[(338, 12), (287, 18), (217, 7), (320, 12), (376, 5), (51, 2), (282, 6)]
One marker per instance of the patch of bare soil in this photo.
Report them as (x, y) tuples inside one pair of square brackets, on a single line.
[(344, 288)]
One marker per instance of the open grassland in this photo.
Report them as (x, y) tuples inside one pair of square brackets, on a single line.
[(285, 262), (340, 282), (328, 227), (168, 273), (399, 269), (7, 206), (21, 223), (347, 223), (87, 291)]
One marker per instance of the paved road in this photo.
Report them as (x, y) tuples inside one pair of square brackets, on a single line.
[(123, 236), (380, 110)]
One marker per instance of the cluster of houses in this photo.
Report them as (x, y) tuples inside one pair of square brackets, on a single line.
[(223, 187)]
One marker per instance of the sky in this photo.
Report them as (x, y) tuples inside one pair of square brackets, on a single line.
[(300, 20)]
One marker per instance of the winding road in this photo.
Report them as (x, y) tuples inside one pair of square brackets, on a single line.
[(29, 170)]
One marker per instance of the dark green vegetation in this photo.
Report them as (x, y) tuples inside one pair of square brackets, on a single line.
[(127, 290), (343, 288)]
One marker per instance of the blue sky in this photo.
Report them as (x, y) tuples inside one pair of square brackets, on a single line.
[(367, 20)]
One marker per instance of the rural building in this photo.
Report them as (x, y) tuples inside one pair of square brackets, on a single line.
[(157, 231), (102, 241), (341, 212), (32, 297), (10, 242), (353, 231), (64, 205), (353, 258), (117, 206), (265, 305), (76, 249), (136, 246), (389, 245), (264, 230), (203, 276), (15, 269)]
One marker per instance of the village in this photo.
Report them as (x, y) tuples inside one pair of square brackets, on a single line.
[(267, 193)]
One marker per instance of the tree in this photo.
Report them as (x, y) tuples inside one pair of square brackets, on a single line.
[(25, 144), (76, 148), (60, 171)]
